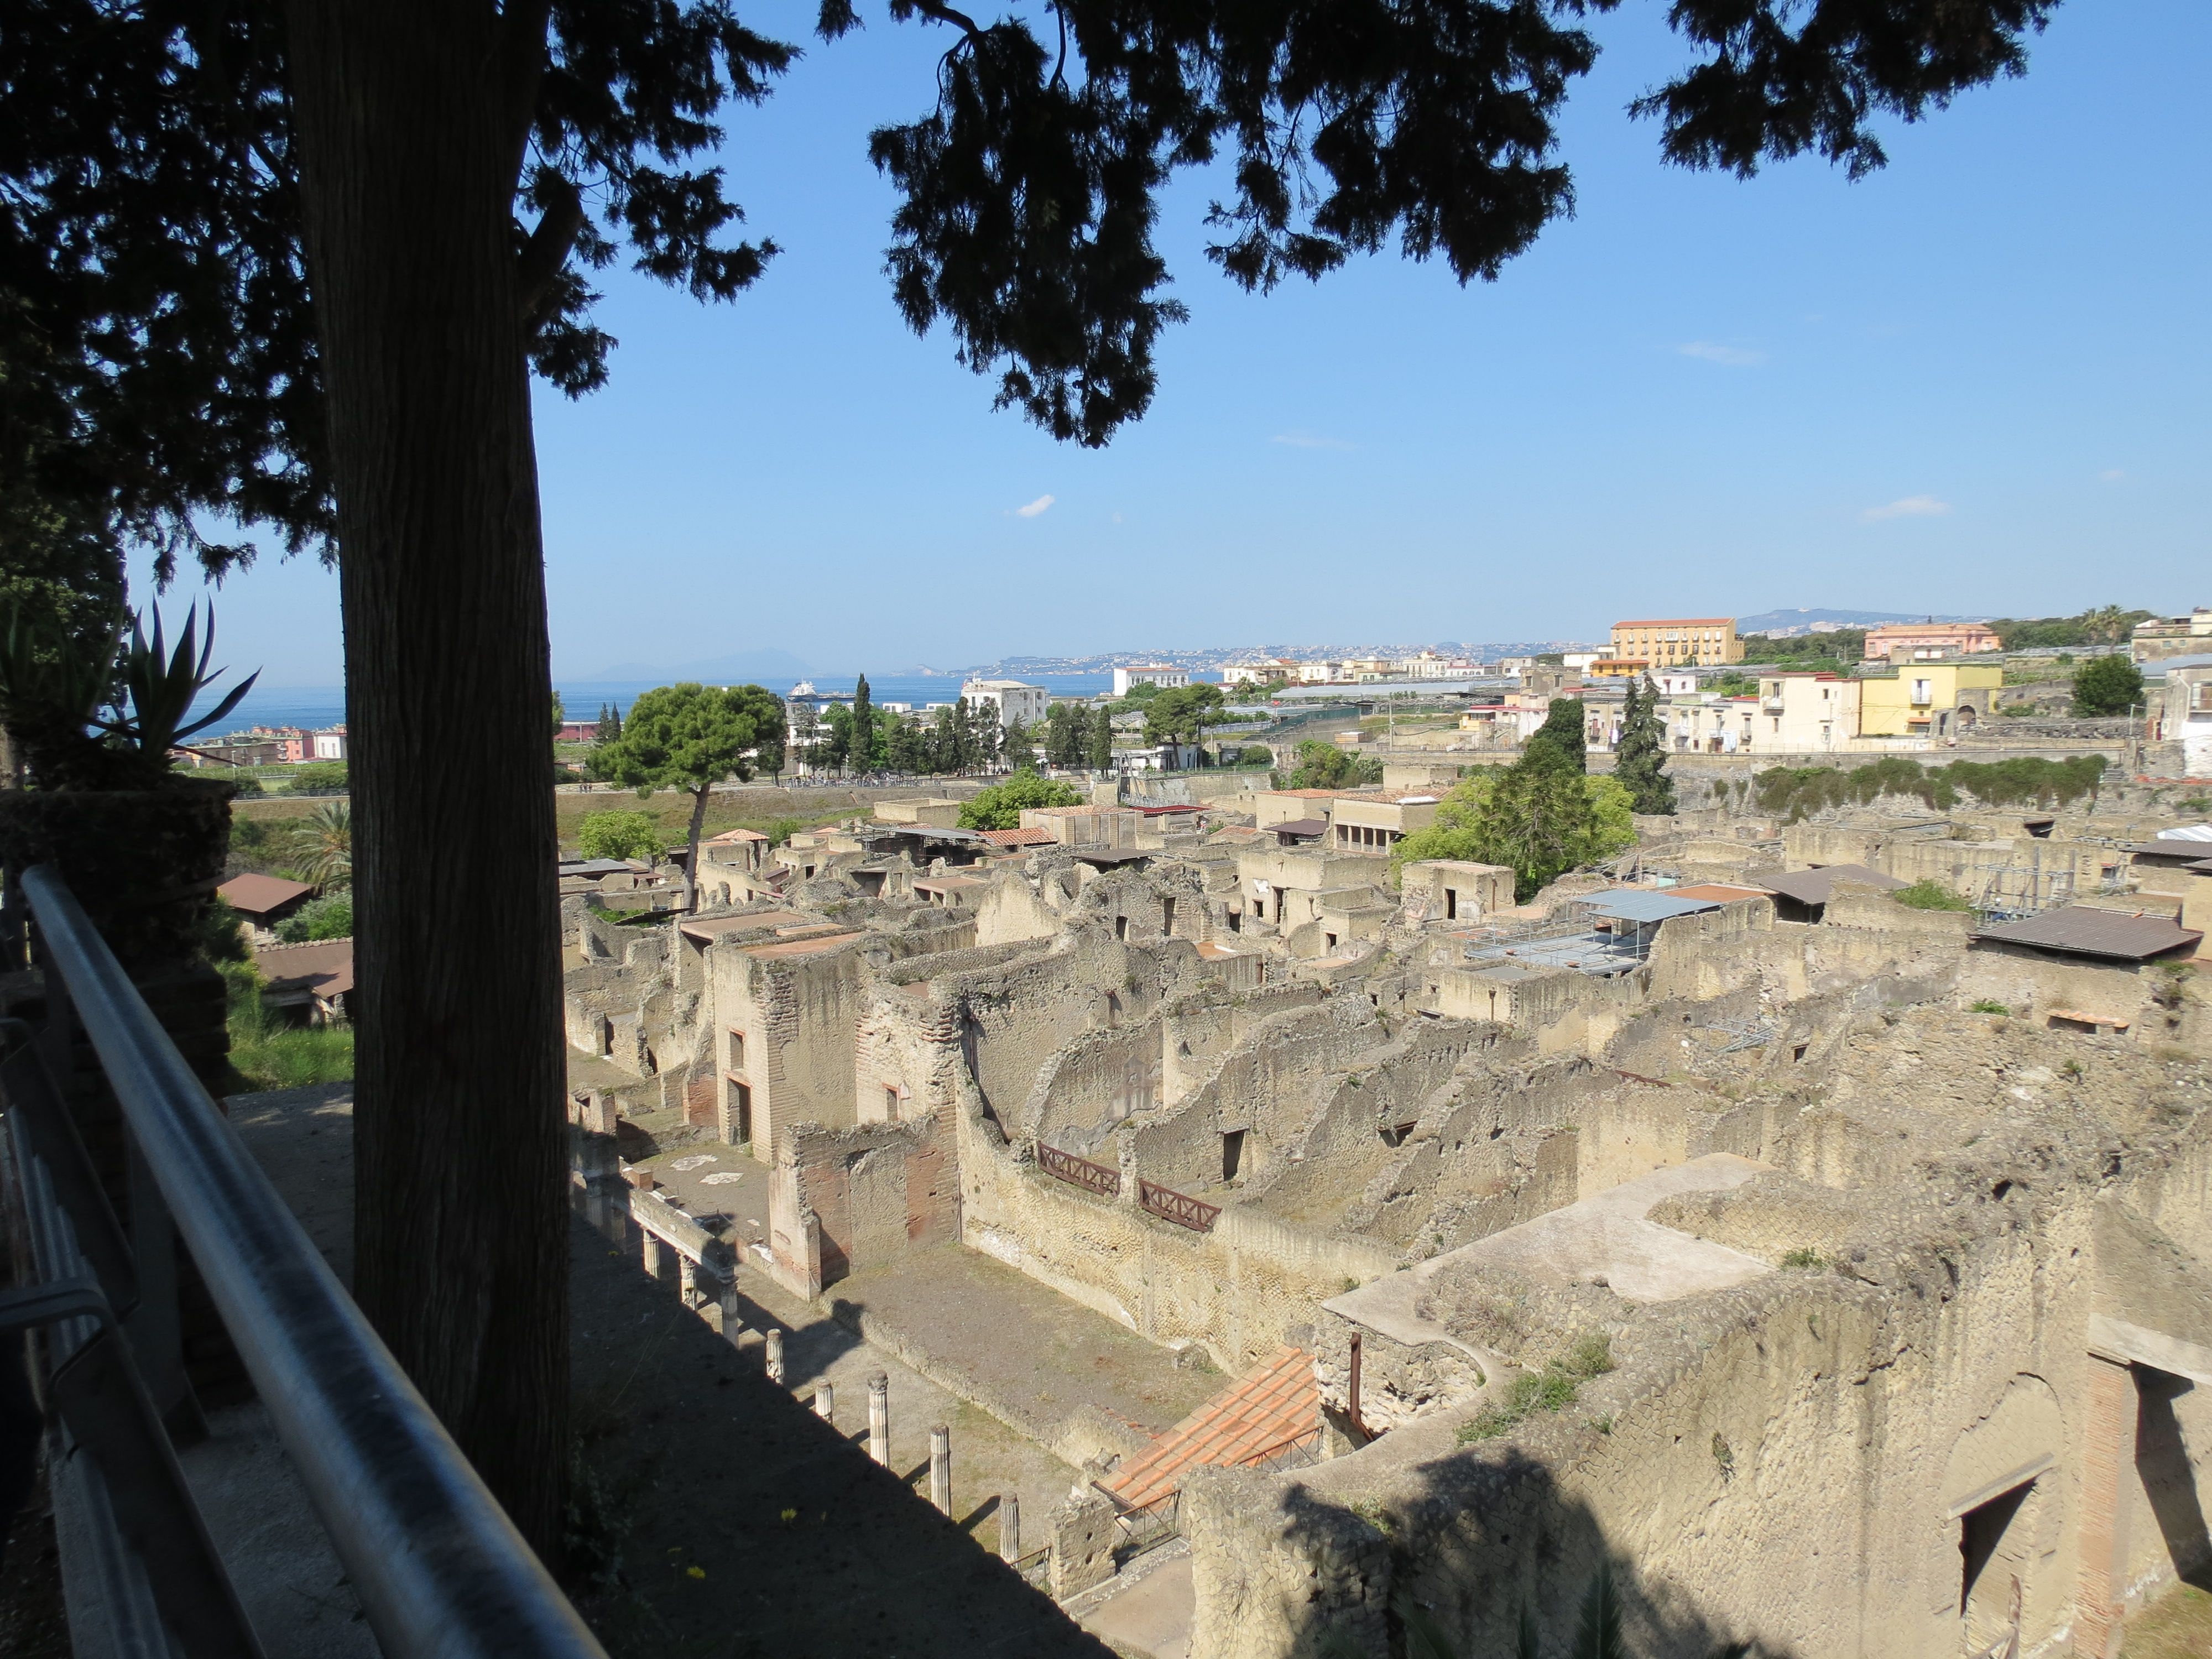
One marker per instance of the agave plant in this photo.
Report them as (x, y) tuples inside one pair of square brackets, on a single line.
[(161, 685), (53, 681)]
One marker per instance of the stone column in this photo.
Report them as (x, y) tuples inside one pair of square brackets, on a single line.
[(657, 1252), (825, 1402), (880, 1417), (775, 1356), (733, 1319), (2108, 1449), (687, 1279), (940, 1468), (1010, 1525)]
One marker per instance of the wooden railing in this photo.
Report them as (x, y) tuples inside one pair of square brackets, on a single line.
[(1078, 1171), (1182, 1210)]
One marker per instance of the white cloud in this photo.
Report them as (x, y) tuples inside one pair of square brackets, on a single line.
[(1117, 518), (1035, 507), (1910, 506), (1309, 440), (1712, 351), (2111, 474)]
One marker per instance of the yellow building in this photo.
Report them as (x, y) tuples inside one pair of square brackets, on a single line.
[(1678, 640), (1928, 700)]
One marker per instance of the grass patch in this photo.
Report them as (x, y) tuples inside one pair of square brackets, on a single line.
[(1804, 1260), (1927, 894), (1988, 1006), (266, 1054), (1551, 1389)]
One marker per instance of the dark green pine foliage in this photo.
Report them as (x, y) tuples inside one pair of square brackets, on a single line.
[(1640, 758), (1563, 732), (864, 728), (1101, 755)]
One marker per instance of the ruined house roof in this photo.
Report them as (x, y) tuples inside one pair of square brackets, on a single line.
[(2080, 930), (1016, 837), (1302, 827), (707, 929), (1718, 891), (1262, 1413), (1818, 886), (799, 947), (258, 895), (1644, 904), (739, 834)]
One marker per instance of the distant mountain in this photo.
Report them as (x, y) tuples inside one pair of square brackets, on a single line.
[(1783, 624), (771, 668)]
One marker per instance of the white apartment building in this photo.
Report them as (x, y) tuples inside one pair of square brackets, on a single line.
[(1007, 700), (1153, 673), (1428, 666), (1805, 713), (331, 744), (1259, 673)]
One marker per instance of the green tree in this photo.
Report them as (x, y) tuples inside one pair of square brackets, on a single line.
[(1181, 712), (619, 835), (691, 737), (2106, 686), (1100, 754), (1538, 817), (862, 741), (325, 778), (1640, 757), (1000, 807), (1565, 730), (328, 917), (223, 279), (325, 845), (906, 749), (1330, 766), (1019, 747)]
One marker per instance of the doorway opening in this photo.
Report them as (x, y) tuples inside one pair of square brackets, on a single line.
[(1993, 1550), (1232, 1152)]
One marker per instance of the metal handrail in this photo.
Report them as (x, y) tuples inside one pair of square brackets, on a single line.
[(440, 1569)]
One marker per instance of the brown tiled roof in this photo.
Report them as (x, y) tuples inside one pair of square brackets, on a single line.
[(1719, 892), (2081, 929), (324, 966), (1818, 886), (256, 894), (1301, 827), (1261, 1413), (739, 834), (799, 947), (1038, 837)]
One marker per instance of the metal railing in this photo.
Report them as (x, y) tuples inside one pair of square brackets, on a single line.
[(439, 1568), (1099, 1178)]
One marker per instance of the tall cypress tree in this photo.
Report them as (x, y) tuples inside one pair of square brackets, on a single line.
[(1640, 761), (1101, 740), (864, 728), (1563, 730)]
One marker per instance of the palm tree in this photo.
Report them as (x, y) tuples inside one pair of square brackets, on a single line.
[(326, 858), (2107, 625)]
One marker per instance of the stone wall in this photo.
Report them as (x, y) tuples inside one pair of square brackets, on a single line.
[(843, 1200)]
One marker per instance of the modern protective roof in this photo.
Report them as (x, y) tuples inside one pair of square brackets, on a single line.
[(1818, 886), (1635, 904), (258, 895), (1302, 827), (2081, 929), (324, 967)]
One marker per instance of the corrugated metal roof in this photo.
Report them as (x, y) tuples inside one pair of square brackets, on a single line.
[(1633, 904), (2081, 930), (1818, 886)]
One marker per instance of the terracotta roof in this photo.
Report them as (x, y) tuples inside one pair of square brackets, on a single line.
[(257, 896), (1680, 622), (324, 966), (1260, 1413), (1720, 893), (2081, 930), (1018, 837), (739, 834)]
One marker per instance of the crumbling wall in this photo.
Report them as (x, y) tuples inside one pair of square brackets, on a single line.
[(843, 1200)]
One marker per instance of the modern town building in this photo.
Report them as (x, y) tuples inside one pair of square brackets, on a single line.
[(2174, 636), (1151, 673), (1007, 700), (1667, 641), (1929, 642), (1805, 713), (1928, 700)]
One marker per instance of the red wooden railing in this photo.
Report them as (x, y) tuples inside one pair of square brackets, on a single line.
[(1078, 1171), (1183, 1210)]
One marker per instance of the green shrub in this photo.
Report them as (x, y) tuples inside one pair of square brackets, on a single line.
[(1797, 792), (1927, 894), (319, 778), (328, 917), (1804, 1259), (1001, 805), (267, 1054), (620, 835), (1987, 1005), (1551, 1389)]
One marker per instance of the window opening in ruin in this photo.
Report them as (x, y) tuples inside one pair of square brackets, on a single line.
[(890, 1103), (736, 1051), (606, 1037), (1328, 940), (1167, 915), (1232, 1152), (1991, 1562), (1121, 928), (1236, 920), (1451, 903), (1797, 1054)]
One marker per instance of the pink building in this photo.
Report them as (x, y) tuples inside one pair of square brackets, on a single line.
[(1930, 642)]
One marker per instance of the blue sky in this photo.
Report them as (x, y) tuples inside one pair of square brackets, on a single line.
[(1974, 383)]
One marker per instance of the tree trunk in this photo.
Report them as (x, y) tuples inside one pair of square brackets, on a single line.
[(691, 863), (459, 1224)]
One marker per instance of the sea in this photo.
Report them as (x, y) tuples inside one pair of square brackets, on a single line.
[(315, 706)]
